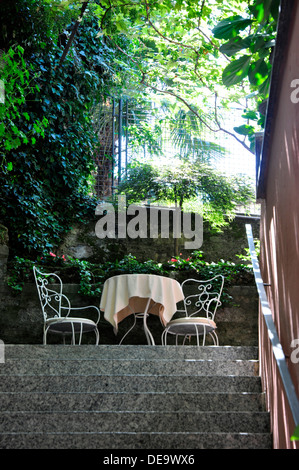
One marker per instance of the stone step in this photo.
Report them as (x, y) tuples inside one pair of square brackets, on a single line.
[(179, 367), (22, 401), (130, 384), (130, 352), (128, 421), (153, 441), (132, 397)]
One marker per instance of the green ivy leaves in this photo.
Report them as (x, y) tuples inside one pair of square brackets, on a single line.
[(49, 134), (17, 126)]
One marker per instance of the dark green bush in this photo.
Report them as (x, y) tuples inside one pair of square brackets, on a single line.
[(91, 276)]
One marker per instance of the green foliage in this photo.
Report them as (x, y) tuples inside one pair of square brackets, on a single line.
[(16, 125), (183, 181), (235, 274), (19, 273), (255, 65), (230, 27), (249, 43), (236, 71), (144, 133), (49, 132), (191, 51), (295, 435), (91, 277), (247, 257), (187, 133)]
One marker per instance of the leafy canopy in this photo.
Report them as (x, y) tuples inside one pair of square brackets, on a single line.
[(195, 54), (183, 181), (198, 54)]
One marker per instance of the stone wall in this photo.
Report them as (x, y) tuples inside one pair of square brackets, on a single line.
[(21, 320), (82, 243), (4, 251)]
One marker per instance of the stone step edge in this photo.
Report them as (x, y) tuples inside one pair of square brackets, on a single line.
[(133, 374), (103, 392), (187, 421), (98, 352), (149, 368), (134, 412), (162, 442), (180, 360), (103, 381), (130, 433), (43, 400)]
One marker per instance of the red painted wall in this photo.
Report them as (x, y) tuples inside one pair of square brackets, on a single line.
[(280, 242)]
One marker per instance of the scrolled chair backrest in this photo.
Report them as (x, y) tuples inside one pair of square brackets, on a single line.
[(49, 297), (202, 297)]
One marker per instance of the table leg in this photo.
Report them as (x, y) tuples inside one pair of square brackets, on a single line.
[(149, 336)]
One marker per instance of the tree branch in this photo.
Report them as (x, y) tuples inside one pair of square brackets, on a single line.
[(213, 44), (226, 131), (162, 35), (73, 34), (219, 129), (182, 100)]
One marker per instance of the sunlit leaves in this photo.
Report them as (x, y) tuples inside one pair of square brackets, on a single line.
[(258, 42), (236, 71), (51, 136), (230, 27), (180, 182), (16, 124), (295, 435), (235, 45), (249, 50), (245, 129), (261, 9), (258, 72)]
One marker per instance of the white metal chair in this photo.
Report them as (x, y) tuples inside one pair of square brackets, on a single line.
[(51, 299), (201, 300)]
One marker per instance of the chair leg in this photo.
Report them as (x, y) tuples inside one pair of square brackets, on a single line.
[(73, 335), (45, 337), (97, 336), (80, 337), (148, 334), (214, 336), (204, 335), (164, 338)]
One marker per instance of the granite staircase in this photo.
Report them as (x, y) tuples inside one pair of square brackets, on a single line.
[(131, 397)]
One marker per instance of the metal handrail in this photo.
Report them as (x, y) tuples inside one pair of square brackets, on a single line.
[(272, 332)]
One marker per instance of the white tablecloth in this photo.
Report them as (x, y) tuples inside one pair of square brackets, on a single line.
[(128, 293)]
